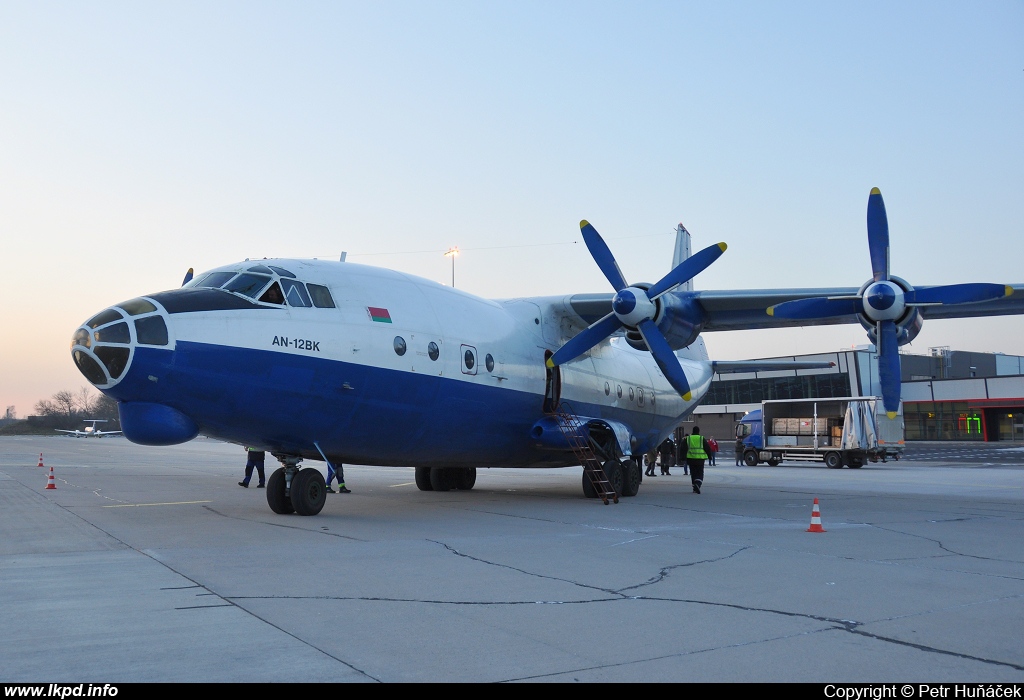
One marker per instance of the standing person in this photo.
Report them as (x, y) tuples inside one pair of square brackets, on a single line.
[(713, 444), (339, 475), (739, 452), (696, 452), (254, 459), (652, 459), (667, 449)]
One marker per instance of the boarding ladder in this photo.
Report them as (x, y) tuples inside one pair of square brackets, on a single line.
[(579, 440)]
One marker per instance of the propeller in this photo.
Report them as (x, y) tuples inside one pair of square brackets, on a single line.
[(188, 277), (884, 301), (635, 308)]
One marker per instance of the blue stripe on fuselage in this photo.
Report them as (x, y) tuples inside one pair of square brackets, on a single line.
[(286, 401)]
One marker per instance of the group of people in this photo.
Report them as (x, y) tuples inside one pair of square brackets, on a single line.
[(692, 454), (256, 459)]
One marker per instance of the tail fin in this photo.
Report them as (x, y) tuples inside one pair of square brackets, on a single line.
[(682, 252)]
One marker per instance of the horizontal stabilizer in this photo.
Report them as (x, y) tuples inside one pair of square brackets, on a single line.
[(727, 367)]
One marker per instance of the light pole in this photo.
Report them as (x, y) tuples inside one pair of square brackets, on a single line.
[(452, 253)]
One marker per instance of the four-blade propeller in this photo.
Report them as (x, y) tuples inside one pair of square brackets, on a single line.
[(635, 308), (884, 302)]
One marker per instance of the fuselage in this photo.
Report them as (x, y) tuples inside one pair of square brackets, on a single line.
[(385, 368)]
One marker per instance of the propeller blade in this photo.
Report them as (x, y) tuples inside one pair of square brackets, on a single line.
[(958, 294), (665, 358), (816, 307), (585, 340), (188, 277), (878, 236), (602, 255), (889, 366), (687, 270)]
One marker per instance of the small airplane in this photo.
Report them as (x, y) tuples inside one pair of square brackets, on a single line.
[(90, 430), (340, 362)]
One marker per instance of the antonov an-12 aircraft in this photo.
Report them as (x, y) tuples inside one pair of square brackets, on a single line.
[(346, 363), (90, 430)]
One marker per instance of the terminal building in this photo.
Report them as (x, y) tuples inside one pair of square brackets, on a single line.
[(947, 394)]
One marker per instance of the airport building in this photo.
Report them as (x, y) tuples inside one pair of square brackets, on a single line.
[(947, 394)]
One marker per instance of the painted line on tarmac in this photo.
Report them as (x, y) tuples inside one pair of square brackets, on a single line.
[(408, 483), (140, 505)]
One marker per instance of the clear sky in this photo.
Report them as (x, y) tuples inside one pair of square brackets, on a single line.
[(139, 139)]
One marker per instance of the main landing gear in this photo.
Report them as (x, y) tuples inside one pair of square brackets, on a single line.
[(294, 490), (445, 478)]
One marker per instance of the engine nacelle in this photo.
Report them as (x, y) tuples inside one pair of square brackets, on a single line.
[(679, 318), (908, 325)]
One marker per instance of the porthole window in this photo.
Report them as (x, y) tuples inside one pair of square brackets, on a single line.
[(399, 345), (652, 398), (618, 390), (640, 397), (631, 394), (489, 362), (432, 351), (470, 360), (607, 389)]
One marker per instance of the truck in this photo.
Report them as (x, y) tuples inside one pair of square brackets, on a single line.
[(847, 431)]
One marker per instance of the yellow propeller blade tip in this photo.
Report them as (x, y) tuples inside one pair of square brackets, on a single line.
[(549, 363), (191, 270), (687, 396), (584, 223), (771, 310), (723, 246), (891, 414), (875, 190), (1009, 290)]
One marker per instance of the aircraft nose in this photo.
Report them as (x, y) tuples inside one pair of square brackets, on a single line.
[(104, 346)]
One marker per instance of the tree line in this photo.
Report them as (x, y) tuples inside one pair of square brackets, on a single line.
[(67, 409)]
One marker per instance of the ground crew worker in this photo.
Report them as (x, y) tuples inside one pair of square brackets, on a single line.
[(696, 452), (339, 475), (255, 458)]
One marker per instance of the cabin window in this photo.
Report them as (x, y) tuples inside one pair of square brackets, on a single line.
[(247, 284), (273, 295), (321, 296), (136, 307), (640, 397), (607, 389), (489, 362), (399, 345), (117, 333), (432, 351), (618, 390), (215, 279), (295, 293), (631, 395), (151, 330)]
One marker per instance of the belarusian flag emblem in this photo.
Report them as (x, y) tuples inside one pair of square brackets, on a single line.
[(378, 315)]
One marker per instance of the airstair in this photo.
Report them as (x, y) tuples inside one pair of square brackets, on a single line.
[(576, 435)]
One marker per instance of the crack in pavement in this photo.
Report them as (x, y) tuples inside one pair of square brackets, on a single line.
[(283, 525), (944, 548), (665, 571)]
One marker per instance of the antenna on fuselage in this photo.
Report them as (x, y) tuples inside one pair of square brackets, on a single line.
[(344, 254), (681, 253)]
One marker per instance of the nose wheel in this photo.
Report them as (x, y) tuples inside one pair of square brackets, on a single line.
[(291, 490)]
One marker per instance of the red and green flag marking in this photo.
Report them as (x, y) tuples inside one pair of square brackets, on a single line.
[(378, 315)]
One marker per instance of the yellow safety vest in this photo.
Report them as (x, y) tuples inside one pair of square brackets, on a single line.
[(695, 447)]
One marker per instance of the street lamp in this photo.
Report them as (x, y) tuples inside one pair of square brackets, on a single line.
[(452, 253)]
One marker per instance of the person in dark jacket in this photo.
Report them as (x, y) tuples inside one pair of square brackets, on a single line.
[(255, 459), (697, 450), (667, 450)]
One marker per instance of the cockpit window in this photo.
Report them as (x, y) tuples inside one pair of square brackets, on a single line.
[(295, 293), (215, 279), (321, 295), (261, 269), (103, 317), (247, 284), (136, 307), (281, 271), (273, 295), (117, 333), (151, 330)]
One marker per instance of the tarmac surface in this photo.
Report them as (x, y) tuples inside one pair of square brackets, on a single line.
[(151, 564)]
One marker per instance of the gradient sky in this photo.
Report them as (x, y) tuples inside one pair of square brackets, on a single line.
[(139, 139)]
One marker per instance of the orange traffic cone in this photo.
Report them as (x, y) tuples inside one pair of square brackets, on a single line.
[(815, 519), (50, 483), (40, 460)]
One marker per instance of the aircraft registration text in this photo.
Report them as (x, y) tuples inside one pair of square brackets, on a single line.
[(296, 343)]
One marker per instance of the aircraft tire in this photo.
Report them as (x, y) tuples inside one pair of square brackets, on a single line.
[(588, 486), (309, 492), (630, 477), (440, 479), (423, 479), (276, 498), (833, 460), (465, 478), (750, 458), (613, 472)]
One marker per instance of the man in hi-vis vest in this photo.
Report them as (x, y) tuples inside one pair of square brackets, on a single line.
[(697, 450)]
